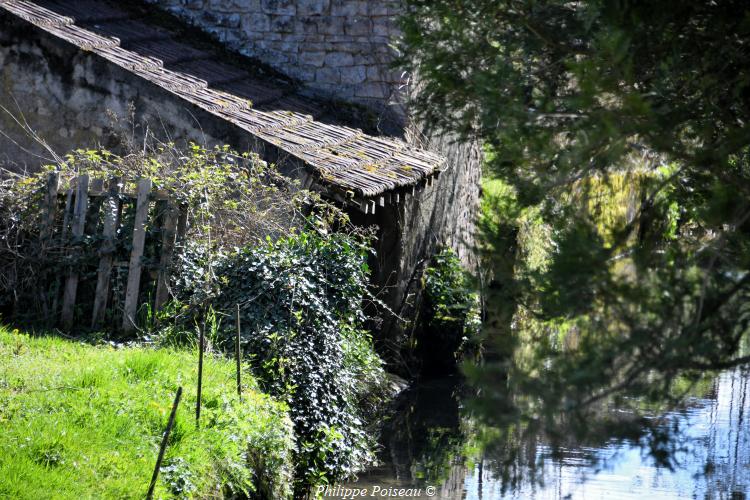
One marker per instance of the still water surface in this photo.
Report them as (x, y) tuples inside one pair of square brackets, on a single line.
[(423, 437)]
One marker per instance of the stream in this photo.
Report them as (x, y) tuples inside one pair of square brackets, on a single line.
[(425, 444)]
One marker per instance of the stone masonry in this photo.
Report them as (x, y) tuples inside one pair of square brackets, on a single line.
[(335, 48), (342, 49)]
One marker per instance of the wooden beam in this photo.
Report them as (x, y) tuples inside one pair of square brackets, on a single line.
[(104, 274), (169, 232), (134, 269), (50, 207), (79, 224)]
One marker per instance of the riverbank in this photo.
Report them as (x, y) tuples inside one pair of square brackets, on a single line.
[(86, 421)]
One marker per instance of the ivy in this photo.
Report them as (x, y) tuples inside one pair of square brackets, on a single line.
[(300, 302), (450, 312)]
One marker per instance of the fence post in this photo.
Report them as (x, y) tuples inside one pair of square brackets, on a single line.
[(238, 356), (134, 270), (63, 239), (104, 273), (45, 236), (164, 442), (169, 231), (79, 224), (50, 207), (201, 347)]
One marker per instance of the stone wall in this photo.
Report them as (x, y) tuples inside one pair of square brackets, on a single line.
[(66, 96), (440, 215), (336, 48), (341, 49)]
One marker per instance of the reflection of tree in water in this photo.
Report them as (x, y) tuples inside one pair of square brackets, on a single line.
[(424, 439), (725, 449), (436, 437), (707, 437)]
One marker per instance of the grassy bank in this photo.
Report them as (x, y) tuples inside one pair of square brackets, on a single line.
[(82, 421)]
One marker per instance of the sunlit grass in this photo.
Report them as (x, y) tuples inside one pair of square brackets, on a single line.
[(82, 421)]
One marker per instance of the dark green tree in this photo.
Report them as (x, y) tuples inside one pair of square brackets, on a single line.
[(622, 128)]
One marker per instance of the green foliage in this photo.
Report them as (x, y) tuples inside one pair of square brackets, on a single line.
[(228, 200), (83, 421), (617, 227), (450, 312), (300, 303)]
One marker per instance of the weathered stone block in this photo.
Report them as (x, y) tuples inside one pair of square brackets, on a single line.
[(313, 7), (339, 59), (304, 73), (255, 23), (353, 74), (328, 75), (279, 7), (380, 28), (307, 25), (331, 25), (228, 20), (358, 26), (316, 59), (374, 73), (353, 48), (340, 38), (371, 89), (282, 24), (315, 44), (384, 8), (348, 8)]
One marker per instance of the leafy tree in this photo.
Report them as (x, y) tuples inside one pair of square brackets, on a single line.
[(620, 132)]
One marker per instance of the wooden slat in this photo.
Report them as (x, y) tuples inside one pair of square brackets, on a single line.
[(96, 186), (104, 274), (68, 210), (63, 237), (134, 269), (50, 207), (169, 232), (79, 224), (45, 235), (182, 223)]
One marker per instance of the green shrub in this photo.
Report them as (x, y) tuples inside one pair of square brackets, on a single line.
[(301, 310), (450, 314)]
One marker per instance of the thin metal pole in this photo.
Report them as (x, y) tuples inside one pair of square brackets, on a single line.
[(238, 355), (164, 441), (200, 374)]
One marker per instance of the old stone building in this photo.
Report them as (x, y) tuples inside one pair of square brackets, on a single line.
[(307, 83)]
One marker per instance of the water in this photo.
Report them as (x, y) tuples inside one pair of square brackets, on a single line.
[(424, 445)]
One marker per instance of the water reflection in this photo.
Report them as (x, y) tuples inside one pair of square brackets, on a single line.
[(429, 441)]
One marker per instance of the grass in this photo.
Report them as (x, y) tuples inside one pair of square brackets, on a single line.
[(84, 421)]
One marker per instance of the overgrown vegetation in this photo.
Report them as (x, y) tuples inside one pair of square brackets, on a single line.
[(450, 320), (253, 238), (230, 200), (300, 301), (82, 421)]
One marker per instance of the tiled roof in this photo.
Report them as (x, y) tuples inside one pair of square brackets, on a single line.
[(340, 157)]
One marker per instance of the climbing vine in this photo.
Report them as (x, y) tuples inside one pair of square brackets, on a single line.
[(300, 301)]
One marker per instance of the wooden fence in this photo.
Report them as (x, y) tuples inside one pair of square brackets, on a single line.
[(94, 207)]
